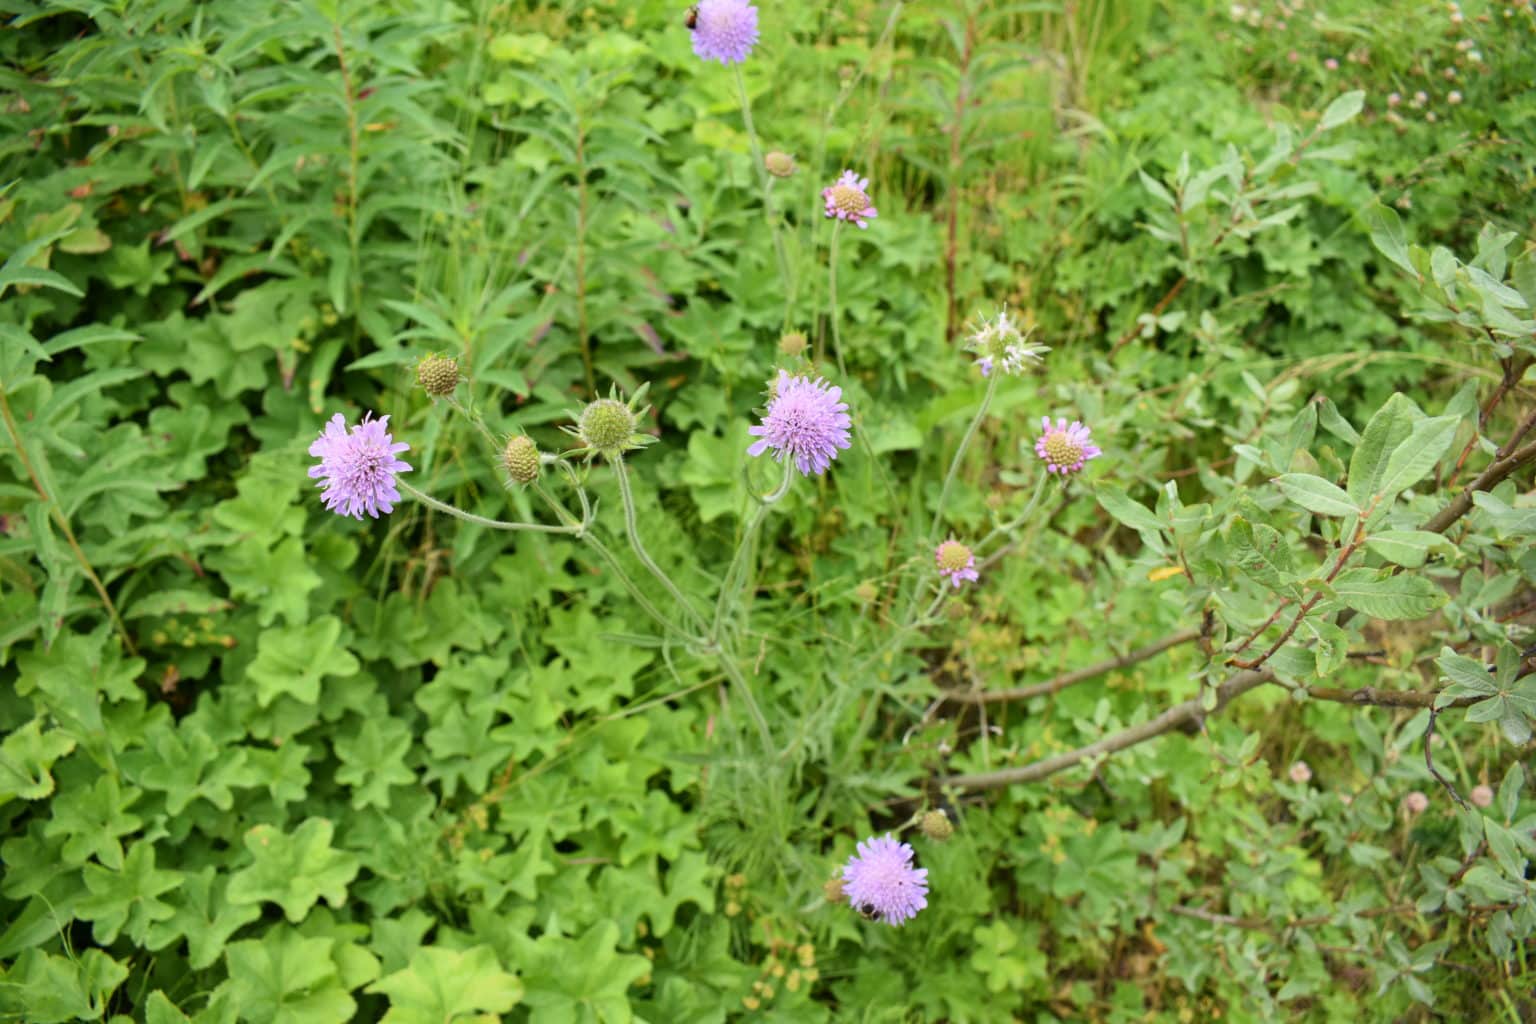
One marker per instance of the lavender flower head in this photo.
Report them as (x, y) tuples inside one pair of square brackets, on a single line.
[(848, 199), (357, 470), (806, 420), (723, 30), (998, 341), (881, 881), (1065, 449), (956, 561)]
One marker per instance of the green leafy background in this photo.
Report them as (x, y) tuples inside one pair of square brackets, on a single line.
[(310, 770)]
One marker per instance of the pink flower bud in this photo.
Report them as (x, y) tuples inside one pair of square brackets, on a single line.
[(1301, 773), (1415, 803), (1482, 796)]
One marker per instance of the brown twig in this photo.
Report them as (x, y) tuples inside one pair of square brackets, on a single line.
[(1429, 760), (1503, 465), (1066, 679), (1173, 718)]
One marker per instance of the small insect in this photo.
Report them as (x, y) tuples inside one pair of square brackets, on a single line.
[(691, 19), (867, 911)]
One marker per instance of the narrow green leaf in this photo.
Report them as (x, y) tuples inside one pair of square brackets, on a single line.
[(1412, 460), (1394, 598)]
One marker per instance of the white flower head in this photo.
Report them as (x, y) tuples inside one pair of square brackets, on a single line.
[(998, 343)]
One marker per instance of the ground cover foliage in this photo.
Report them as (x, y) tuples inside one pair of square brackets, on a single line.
[(1230, 726)]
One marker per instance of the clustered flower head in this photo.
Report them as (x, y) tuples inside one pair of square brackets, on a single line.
[(848, 199), (806, 420), (1065, 449), (609, 426), (723, 30), (1481, 795), (955, 561), (357, 468), (780, 165), (1301, 773), (1416, 803), (879, 880), (998, 343), (438, 375), (520, 457)]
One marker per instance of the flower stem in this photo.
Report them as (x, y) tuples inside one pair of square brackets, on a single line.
[(729, 585), (733, 671), (762, 171), (954, 464), (608, 558), (632, 529), (1019, 519), (837, 344), (493, 524)]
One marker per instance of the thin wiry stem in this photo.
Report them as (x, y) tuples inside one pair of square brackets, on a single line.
[(837, 343), (629, 585), (786, 279), (728, 586), (965, 442), (492, 524), (631, 528)]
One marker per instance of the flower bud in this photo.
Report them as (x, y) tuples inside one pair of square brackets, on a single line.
[(606, 426), (780, 165), (438, 375), (1415, 803), (1301, 773), (1481, 796), (936, 826), (520, 456), (833, 890), (793, 344)]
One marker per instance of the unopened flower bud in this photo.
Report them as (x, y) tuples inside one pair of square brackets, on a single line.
[(936, 826), (438, 375), (833, 890), (780, 165), (792, 344), (520, 456), (1481, 796), (1416, 803), (1301, 773), (606, 426)]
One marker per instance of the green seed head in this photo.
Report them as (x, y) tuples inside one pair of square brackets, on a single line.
[(936, 826), (520, 456), (438, 375), (606, 426), (792, 344), (780, 165)]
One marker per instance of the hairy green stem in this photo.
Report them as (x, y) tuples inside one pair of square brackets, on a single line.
[(729, 586), (954, 464), (1021, 518), (493, 524), (837, 343), (632, 529), (733, 671), (762, 170), (629, 585)]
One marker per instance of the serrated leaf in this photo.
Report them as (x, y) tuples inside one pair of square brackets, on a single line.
[(286, 978), (1317, 495), (26, 757), (291, 661), (294, 871), (1394, 598), (441, 986)]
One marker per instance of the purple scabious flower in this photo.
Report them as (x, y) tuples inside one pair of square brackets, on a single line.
[(956, 561), (723, 30), (881, 881), (357, 470), (848, 199), (806, 420), (999, 343), (1065, 449)]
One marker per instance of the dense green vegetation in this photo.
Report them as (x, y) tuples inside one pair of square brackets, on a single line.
[(1230, 726)]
